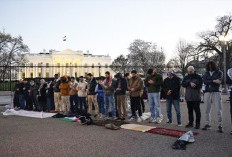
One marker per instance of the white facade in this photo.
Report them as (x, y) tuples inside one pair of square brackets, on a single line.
[(47, 64)]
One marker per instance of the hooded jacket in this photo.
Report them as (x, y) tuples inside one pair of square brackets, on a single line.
[(210, 86)]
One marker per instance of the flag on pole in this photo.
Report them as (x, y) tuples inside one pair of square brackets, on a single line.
[(64, 38)]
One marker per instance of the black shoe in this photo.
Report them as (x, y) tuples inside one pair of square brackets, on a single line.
[(197, 126), (169, 122), (189, 125), (206, 127), (220, 130)]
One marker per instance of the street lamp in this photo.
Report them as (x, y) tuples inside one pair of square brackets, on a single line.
[(223, 42)]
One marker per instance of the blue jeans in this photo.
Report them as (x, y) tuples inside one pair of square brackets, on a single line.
[(73, 103), (22, 101), (154, 102), (176, 104), (109, 99), (100, 101)]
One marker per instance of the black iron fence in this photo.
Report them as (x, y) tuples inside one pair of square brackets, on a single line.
[(9, 75)]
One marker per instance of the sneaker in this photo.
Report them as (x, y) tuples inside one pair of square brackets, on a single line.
[(206, 127), (197, 126), (179, 125), (220, 130), (131, 119), (189, 125), (107, 118), (152, 120), (114, 118), (169, 122), (159, 120), (139, 120)]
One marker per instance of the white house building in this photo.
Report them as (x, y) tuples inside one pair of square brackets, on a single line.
[(66, 62)]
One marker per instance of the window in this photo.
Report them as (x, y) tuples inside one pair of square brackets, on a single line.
[(58, 64), (31, 64), (93, 65), (106, 65), (39, 74), (67, 64), (47, 64), (23, 75), (76, 74), (85, 65), (47, 75), (31, 75)]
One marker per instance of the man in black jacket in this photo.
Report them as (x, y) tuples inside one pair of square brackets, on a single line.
[(193, 84), (171, 88), (91, 94), (121, 87), (56, 90), (212, 80)]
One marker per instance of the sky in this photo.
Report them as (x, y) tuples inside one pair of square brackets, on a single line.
[(109, 26)]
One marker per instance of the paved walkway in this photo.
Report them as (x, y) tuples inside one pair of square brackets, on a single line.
[(27, 137)]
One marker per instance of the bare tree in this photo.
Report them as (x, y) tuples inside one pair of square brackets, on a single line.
[(185, 52), (12, 52), (211, 43), (120, 64), (144, 55)]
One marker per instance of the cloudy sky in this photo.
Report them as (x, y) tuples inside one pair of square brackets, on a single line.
[(108, 26)]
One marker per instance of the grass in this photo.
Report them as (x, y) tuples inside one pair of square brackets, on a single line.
[(5, 86)]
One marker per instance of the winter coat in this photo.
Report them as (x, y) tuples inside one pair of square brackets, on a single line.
[(173, 85), (158, 82), (42, 92), (91, 86), (123, 86), (210, 86), (56, 84), (64, 88), (136, 83), (192, 94), (33, 91), (99, 90)]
